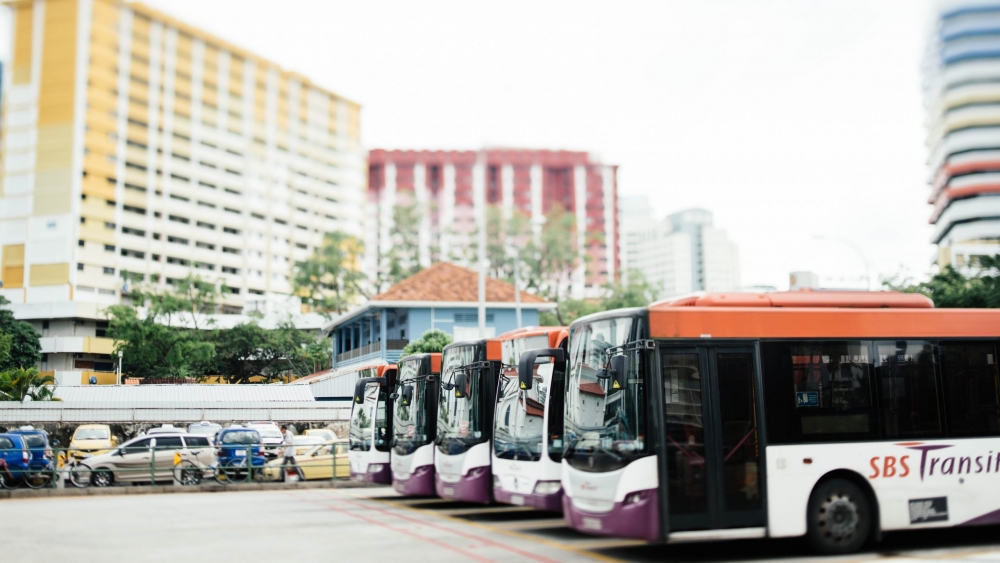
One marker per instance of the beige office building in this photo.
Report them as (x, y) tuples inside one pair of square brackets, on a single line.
[(133, 143)]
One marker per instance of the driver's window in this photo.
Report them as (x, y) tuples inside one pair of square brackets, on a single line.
[(325, 450)]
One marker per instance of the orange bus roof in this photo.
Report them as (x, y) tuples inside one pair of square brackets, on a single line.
[(556, 335), (806, 298), (817, 314)]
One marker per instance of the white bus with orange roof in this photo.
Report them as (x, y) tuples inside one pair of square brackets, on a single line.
[(831, 415), (474, 376)]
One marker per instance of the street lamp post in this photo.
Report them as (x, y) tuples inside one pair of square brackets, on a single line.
[(119, 378)]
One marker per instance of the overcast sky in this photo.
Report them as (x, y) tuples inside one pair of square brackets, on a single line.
[(789, 120)]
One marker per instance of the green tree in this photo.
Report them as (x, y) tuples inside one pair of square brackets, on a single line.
[(433, 340), (552, 259), (951, 288), (331, 279), (20, 383), (18, 339), (190, 294), (617, 295), (248, 350), (155, 350), (403, 259)]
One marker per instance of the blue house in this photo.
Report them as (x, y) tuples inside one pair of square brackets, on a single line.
[(443, 296)]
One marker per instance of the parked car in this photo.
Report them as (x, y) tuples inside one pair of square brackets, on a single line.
[(141, 459), (16, 460), (232, 445), (40, 465), (91, 439), (165, 429), (270, 435), (326, 434), (316, 463), (205, 428), (304, 443)]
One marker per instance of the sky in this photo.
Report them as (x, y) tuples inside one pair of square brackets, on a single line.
[(800, 125)]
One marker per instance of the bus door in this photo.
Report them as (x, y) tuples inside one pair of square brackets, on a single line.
[(712, 456)]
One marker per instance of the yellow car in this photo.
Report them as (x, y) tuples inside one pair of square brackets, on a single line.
[(91, 439), (325, 433), (316, 463)]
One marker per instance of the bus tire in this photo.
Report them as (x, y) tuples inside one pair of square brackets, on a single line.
[(839, 518)]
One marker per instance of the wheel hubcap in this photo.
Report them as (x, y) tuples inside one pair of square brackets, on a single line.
[(838, 517), (101, 479)]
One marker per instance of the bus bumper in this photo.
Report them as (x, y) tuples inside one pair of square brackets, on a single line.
[(551, 503), (471, 487), (639, 519), (420, 483), (382, 475)]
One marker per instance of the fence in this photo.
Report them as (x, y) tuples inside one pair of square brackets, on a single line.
[(187, 465)]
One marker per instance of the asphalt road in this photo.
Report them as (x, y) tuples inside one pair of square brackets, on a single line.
[(373, 525)]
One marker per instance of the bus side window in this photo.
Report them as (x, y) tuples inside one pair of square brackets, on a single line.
[(908, 393), (819, 391), (971, 388)]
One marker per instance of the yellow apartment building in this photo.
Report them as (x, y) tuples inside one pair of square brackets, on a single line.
[(138, 149)]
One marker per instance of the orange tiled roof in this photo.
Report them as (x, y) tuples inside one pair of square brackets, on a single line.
[(447, 282)]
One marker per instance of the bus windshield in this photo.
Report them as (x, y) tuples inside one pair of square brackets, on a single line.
[(409, 422), (460, 420), (520, 415), (605, 427), (364, 415)]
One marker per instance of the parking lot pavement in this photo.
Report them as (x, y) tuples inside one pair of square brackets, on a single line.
[(374, 524), (308, 525)]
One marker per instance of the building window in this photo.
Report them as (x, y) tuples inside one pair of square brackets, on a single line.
[(109, 271)]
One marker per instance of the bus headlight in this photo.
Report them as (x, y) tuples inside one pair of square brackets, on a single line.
[(547, 487), (635, 498), (375, 467)]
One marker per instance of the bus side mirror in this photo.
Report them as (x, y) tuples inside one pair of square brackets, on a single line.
[(461, 379), (393, 396), (526, 366), (407, 395), (359, 391), (619, 372)]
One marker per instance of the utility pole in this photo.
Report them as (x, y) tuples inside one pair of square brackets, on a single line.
[(479, 181), (119, 378)]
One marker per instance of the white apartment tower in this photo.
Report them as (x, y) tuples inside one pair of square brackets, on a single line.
[(680, 254), (134, 143)]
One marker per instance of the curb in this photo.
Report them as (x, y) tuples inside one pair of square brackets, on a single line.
[(172, 489)]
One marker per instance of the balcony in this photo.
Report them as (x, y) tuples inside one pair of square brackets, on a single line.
[(374, 351)]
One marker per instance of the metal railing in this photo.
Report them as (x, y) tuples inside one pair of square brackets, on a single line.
[(371, 349), (183, 466)]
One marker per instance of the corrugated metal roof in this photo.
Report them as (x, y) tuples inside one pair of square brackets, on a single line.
[(324, 375), (61, 411), (200, 394)]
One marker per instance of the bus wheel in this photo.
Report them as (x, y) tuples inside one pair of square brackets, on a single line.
[(840, 517)]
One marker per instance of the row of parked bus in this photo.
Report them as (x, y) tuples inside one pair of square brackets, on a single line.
[(831, 415)]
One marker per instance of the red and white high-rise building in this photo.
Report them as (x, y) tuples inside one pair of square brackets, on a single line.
[(452, 189)]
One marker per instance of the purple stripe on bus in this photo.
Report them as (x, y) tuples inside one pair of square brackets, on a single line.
[(474, 486), (639, 520), (420, 483), (551, 503), (988, 518)]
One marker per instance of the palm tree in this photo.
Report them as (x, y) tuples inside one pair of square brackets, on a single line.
[(19, 383)]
